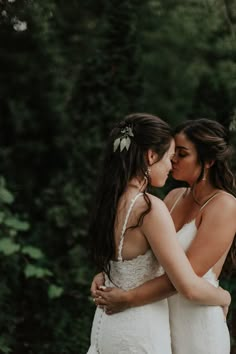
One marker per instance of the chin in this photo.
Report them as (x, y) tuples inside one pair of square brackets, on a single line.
[(176, 177), (161, 184)]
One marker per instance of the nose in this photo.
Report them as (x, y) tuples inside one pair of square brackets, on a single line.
[(174, 158)]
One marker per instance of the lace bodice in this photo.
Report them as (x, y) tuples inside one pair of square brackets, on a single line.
[(128, 274), (132, 273)]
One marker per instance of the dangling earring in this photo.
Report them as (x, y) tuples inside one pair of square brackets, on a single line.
[(204, 177), (147, 175)]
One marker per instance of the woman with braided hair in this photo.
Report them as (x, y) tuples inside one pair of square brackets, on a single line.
[(133, 237)]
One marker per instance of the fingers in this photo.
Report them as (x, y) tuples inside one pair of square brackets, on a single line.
[(108, 312), (102, 293), (104, 288), (97, 282), (94, 288), (99, 301)]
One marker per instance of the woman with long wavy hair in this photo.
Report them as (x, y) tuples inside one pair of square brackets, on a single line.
[(133, 237)]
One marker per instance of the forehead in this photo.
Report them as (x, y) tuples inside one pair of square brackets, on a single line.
[(172, 146), (182, 142)]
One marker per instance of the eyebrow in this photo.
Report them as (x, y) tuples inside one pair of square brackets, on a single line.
[(181, 147)]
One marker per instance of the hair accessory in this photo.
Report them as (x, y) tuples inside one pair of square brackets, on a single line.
[(124, 140)]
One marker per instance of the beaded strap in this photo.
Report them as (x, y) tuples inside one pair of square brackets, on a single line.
[(124, 226)]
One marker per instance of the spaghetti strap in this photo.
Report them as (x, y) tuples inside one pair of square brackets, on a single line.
[(177, 200), (124, 226), (213, 196)]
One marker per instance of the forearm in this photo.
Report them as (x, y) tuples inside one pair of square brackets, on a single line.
[(204, 293), (151, 291)]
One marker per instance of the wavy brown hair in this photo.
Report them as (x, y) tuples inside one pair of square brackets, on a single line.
[(212, 142), (119, 167)]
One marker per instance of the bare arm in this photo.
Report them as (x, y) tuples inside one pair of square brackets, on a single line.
[(172, 257), (204, 252), (161, 287)]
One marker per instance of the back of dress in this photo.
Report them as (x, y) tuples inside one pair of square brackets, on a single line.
[(140, 330)]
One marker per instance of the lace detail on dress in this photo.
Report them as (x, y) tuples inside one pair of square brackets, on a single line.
[(141, 330), (129, 274)]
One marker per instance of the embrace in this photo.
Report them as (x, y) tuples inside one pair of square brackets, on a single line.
[(157, 291)]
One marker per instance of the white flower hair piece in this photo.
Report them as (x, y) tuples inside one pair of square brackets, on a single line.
[(124, 140)]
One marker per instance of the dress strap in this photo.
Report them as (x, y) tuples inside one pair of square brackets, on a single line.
[(213, 196), (124, 226), (176, 201)]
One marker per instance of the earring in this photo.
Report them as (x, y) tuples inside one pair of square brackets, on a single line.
[(204, 177), (147, 174)]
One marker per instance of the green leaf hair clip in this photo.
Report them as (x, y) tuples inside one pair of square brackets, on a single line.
[(124, 140)]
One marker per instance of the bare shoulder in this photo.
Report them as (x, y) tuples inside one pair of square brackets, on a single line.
[(225, 202), (158, 209), (157, 222), (223, 205), (172, 196), (156, 203)]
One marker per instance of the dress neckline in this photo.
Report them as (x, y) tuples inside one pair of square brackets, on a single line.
[(193, 221)]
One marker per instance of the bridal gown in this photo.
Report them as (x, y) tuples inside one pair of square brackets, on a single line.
[(141, 330), (197, 329)]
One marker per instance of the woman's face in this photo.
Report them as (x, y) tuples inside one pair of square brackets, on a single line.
[(160, 170), (185, 164)]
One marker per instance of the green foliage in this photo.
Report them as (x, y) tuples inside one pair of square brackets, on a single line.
[(67, 78), (19, 260)]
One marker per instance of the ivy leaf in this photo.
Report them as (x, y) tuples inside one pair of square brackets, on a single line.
[(8, 247), (54, 291), (16, 224), (37, 272), (33, 252), (6, 196), (4, 346)]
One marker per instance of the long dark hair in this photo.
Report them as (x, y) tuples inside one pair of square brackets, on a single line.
[(211, 141), (118, 168)]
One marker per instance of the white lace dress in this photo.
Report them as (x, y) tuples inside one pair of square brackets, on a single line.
[(140, 330), (197, 329)]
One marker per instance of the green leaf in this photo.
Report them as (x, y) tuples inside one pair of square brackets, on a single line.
[(6, 196), (8, 247), (4, 346), (37, 272), (33, 252), (54, 291), (16, 224)]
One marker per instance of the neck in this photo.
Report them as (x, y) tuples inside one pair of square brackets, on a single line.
[(202, 191), (137, 184)]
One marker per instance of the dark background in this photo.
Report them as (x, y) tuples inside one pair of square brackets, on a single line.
[(68, 71)]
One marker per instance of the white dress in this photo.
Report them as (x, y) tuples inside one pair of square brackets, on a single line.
[(197, 329), (141, 330)]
